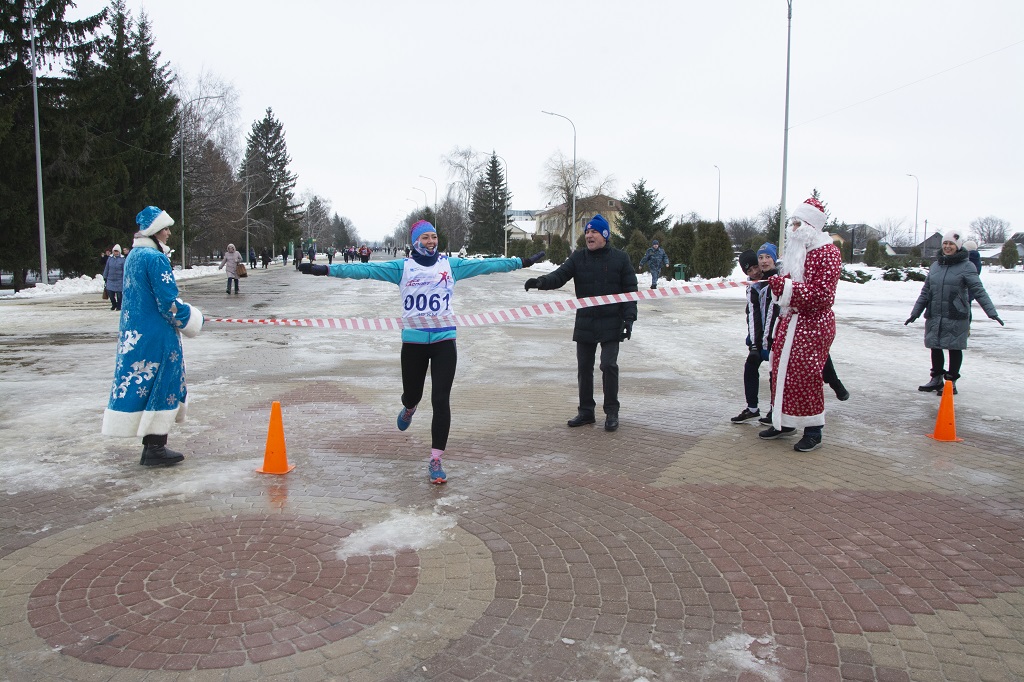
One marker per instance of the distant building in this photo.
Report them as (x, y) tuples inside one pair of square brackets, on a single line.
[(552, 220)]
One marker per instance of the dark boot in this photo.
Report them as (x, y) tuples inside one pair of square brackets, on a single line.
[(581, 419), (935, 384), (155, 452), (947, 377), (841, 392), (611, 421)]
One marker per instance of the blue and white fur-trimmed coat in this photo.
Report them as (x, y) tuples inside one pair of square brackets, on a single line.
[(148, 393)]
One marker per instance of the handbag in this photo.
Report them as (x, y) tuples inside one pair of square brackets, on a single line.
[(106, 296), (240, 269)]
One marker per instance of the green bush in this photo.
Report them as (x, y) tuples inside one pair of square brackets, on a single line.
[(893, 275), (915, 276), (1008, 257), (558, 251), (857, 277)]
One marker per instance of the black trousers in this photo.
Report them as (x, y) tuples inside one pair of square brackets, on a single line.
[(442, 358), (956, 359), (752, 378), (585, 355)]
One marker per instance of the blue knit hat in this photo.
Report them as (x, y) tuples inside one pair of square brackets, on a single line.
[(770, 249), (600, 225), (419, 228), (152, 219)]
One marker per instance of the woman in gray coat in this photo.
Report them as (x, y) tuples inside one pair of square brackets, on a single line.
[(945, 301)]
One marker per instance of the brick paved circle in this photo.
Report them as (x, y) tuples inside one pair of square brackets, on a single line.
[(217, 593)]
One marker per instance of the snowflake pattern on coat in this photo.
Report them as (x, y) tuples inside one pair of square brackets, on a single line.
[(803, 336)]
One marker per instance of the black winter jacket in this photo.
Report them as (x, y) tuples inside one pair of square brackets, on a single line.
[(597, 273)]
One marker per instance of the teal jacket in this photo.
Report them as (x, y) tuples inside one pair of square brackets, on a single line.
[(391, 271)]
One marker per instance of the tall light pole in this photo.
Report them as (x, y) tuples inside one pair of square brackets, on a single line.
[(181, 153), (785, 138), (436, 226), (426, 202), (917, 197), (572, 231), (44, 273), (505, 209), (719, 215)]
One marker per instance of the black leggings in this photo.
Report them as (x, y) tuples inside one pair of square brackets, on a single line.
[(442, 358), (956, 358)]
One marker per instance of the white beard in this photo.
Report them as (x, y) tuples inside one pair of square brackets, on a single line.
[(798, 243)]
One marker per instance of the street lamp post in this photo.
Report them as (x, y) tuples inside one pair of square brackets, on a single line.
[(44, 273), (426, 202), (572, 232), (181, 154), (917, 197), (505, 209), (785, 137), (719, 215)]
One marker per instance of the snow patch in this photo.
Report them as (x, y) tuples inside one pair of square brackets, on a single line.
[(403, 530), (189, 480), (745, 653)]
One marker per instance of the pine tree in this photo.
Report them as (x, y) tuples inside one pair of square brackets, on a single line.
[(268, 186), (636, 248), (641, 210), (712, 253), (872, 254), (489, 211), (1009, 256), (558, 250), (679, 246), (56, 41)]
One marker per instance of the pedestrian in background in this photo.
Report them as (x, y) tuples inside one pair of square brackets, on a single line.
[(149, 391), (655, 259), (427, 285), (945, 300), (113, 278), (231, 260), (597, 270)]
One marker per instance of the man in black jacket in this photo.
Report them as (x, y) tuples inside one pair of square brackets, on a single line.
[(598, 270)]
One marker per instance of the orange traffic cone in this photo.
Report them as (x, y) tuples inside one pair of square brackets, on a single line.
[(945, 423), (275, 459)]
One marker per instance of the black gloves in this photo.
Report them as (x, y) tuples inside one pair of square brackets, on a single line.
[(627, 330), (310, 269), (909, 320), (532, 283), (996, 318), (535, 258)]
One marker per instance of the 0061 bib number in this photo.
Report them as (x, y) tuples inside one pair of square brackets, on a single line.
[(422, 303)]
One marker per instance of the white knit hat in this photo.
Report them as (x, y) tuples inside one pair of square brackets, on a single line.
[(953, 236)]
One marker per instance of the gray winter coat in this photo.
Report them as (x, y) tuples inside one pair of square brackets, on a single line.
[(946, 301)]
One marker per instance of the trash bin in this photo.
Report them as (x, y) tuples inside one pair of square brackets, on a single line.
[(680, 270)]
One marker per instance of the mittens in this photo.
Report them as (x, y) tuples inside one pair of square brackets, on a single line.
[(532, 283), (535, 258)]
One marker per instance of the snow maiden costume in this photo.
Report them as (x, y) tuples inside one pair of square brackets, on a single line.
[(148, 392), (806, 327)]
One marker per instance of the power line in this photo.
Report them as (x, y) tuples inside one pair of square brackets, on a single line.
[(906, 85)]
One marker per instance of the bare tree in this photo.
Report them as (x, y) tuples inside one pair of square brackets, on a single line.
[(316, 220), (558, 184), (893, 232), (465, 165), (990, 230), (743, 230)]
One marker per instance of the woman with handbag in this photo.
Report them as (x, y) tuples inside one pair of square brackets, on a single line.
[(233, 261)]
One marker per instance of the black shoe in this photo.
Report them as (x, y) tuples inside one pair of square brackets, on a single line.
[(950, 378), (746, 415), (611, 422), (767, 419), (808, 443), (841, 392), (934, 385), (159, 456), (581, 420), (771, 433)]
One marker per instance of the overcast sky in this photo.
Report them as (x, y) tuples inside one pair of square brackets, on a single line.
[(373, 94)]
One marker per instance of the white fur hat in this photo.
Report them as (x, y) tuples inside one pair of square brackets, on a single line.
[(117, 247), (971, 245), (810, 212)]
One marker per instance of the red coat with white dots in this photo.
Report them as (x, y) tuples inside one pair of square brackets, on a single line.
[(803, 337)]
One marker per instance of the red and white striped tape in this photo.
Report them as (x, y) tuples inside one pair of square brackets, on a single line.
[(479, 319)]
